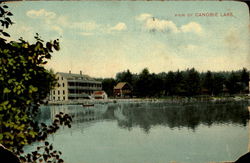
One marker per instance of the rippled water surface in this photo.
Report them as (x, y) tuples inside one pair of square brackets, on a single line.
[(151, 132)]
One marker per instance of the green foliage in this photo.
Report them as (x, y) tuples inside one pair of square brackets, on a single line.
[(192, 82), (143, 84), (218, 84), (24, 85), (244, 79), (170, 84), (209, 82), (233, 84), (125, 76), (182, 83), (5, 19), (108, 85)]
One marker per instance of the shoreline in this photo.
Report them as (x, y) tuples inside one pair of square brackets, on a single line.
[(167, 100)]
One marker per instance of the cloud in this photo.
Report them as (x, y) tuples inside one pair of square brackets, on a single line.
[(236, 44), (58, 29), (191, 27), (143, 17), (87, 33), (81, 25), (119, 27), (52, 22), (42, 13), (63, 21), (191, 47), (153, 24), (233, 40), (86, 26)]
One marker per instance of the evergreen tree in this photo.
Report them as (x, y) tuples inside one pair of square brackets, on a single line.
[(170, 84), (219, 79), (192, 82), (233, 83), (244, 78), (209, 82), (125, 76)]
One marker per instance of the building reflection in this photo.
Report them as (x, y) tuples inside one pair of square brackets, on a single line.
[(249, 130), (148, 115)]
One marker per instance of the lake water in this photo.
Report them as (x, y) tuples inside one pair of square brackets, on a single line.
[(151, 132)]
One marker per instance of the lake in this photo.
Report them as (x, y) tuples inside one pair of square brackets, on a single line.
[(151, 132)]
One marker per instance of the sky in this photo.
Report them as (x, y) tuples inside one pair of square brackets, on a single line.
[(101, 38)]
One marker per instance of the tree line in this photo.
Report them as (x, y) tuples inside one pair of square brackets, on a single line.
[(188, 82)]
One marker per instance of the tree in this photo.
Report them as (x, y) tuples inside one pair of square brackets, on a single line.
[(142, 84), (156, 85), (24, 84), (232, 83), (192, 82), (219, 80), (244, 77), (209, 82), (170, 84), (179, 83), (125, 76), (108, 85)]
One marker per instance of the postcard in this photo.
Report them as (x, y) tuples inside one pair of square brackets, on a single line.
[(144, 81)]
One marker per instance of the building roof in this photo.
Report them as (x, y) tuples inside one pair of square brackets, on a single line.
[(120, 85), (76, 76), (99, 92)]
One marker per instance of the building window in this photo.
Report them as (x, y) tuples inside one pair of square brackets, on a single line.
[(63, 84), (62, 78), (58, 98), (54, 92), (63, 97), (54, 98), (63, 92), (58, 92)]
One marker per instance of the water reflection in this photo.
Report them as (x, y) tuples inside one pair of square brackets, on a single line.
[(151, 132), (189, 116), (148, 115)]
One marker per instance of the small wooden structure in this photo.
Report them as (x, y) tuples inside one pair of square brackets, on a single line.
[(123, 89), (100, 95)]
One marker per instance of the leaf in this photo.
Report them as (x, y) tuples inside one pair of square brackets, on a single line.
[(2, 22), (9, 14), (5, 34), (1, 11), (49, 46), (6, 90), (45, 157), (8, 19), (46, 143), (7, 25)]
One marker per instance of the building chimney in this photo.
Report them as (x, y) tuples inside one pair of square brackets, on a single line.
[(69, 72), (80, 72)]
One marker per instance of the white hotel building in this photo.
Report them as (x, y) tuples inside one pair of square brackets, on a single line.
[(74, 86)]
